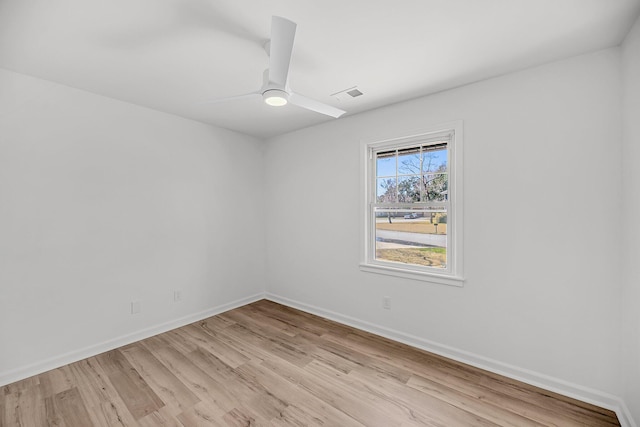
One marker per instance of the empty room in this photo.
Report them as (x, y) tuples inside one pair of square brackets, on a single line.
[(305, 213)]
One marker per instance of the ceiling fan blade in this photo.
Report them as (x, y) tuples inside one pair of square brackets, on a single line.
[(283, 33), (313, 105), (232, 98)]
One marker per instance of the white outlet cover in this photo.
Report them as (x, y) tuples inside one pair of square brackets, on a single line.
[(135, 307)]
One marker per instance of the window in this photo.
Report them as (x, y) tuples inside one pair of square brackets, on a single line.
[(413, 206)]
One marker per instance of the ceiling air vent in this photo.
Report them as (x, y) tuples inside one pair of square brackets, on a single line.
[(347, 94)]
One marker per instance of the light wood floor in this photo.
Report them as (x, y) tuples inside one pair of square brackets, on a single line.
[(266, 364)]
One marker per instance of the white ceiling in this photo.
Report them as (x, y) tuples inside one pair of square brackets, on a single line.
[(171, 55)]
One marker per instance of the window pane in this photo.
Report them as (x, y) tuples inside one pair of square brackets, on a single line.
[(386, 166), (412, 236), (435, 187), (386, 190), (409, 189), (434, 160), (409, 162)]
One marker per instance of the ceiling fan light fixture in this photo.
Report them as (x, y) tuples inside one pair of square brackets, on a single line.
[(275, 88), (275, 97)]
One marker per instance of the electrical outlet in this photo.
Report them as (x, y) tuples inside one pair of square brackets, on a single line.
[(135, 307), (386, 303), (177, 295)]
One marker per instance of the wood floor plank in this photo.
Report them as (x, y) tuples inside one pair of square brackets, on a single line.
[(25, 406), (261, 322), (3, 405), (268, 344), (10, 413), (477, 405), (202, 414), (252, 350), (55, 381), (160, 418), (175, 394), (293, 318), (52, 414), (132, 388), (293, 344), (263, 402), (289, 391), (180, 340), (103, 402), (391, 386), (407, 405), (211, 341), (265, 364), (217, 322), (18, 386), (201, 383), (72, 409), (497, 405), (214, 366), (240, 417), (365, 409)]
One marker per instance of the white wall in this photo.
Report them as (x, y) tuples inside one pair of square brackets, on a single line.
[(103, 203), (631, 205), (542, 229)]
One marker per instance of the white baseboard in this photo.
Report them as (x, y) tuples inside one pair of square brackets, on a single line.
[(73, 356), (624, 415), (546, 382)]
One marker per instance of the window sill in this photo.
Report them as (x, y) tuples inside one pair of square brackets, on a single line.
[(414, 275)]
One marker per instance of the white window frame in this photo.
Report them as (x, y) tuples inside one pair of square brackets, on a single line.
[(453, 274)]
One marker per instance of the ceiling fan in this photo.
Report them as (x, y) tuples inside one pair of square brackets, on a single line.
[(275, 90)]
